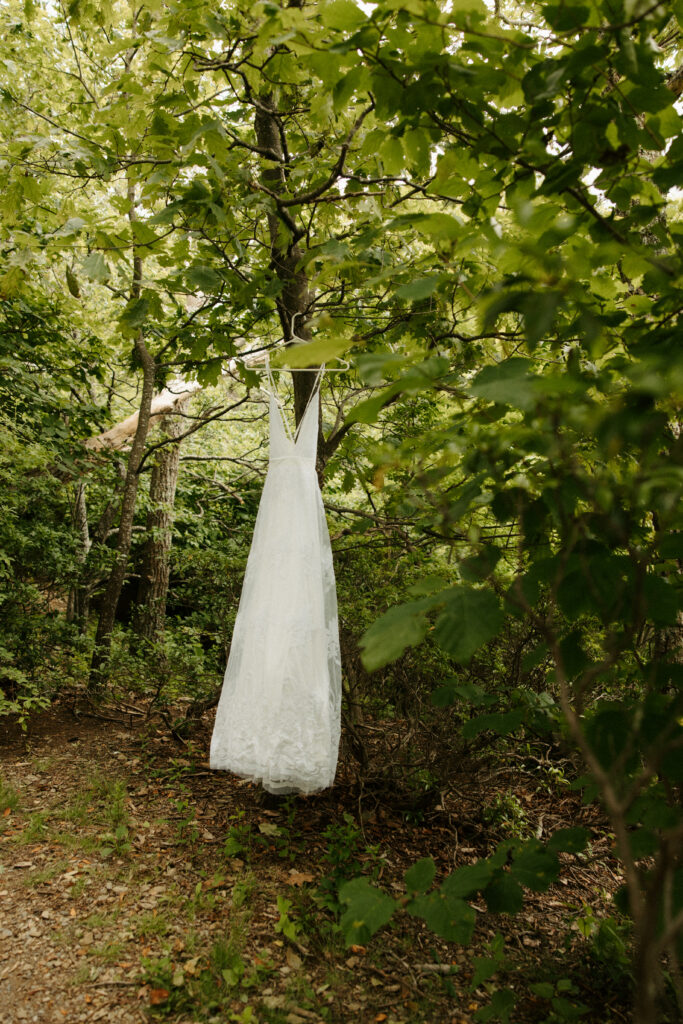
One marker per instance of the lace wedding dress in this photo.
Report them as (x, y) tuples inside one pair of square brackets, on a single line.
[(278, 719)]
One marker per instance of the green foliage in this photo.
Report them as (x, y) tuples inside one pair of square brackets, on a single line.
[(9, 799), (285, 925), (506, 813), (481, 209), (367, 909), (346, 855), (609, 940)]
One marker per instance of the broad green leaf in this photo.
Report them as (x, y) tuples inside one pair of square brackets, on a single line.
[(401, 627), (71, 227), (543, 989), (322, 350), (453, 690), (421, 875), (504, 895), (420, 289), (502, 723), (484, 968), (536, 868), (342, 15), (203, 278), (472, 618), (569, 840), (662, 601), (450, 918), (135, 314), (416, 143), (95, 267), (467, 6), (468, 879), (367, 910), (502, 1004), (391, 154), (72, 283), (508, 382)]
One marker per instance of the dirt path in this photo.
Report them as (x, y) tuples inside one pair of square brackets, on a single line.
[(137, 885)]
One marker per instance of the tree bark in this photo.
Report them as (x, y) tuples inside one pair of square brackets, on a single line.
[(151, 610), (112, 592), (78, 603), (295, 299), (167, 401), (114, 586)]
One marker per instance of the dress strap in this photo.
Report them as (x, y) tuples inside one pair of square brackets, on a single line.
[(274, 395), (314, 393)]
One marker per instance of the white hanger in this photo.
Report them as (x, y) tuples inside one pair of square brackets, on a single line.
[(253, 360), (302, 369)]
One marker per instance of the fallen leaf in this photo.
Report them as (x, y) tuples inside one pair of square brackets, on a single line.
[(157, 996), (292, 959), (300, 877), (381, 1016), (190, 966), (268, 829)]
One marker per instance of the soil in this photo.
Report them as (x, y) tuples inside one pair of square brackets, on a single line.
[(138, 885)]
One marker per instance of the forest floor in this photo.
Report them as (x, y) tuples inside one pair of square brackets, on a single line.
[(137, 885)]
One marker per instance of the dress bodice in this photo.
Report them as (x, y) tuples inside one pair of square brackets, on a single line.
[(299, 445)]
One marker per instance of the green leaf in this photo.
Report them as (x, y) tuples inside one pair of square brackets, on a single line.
[(420, 289), (314, 353), (448, 917), (202, 278), (650, 99), (416, 143), (135, 314), (504, 895), (662, 601), (451, 690), (501, 1006), (95, 267), (71, 227), (503, 723), (508, 382), (342, 15), (367, 910), (468, 879), (468, 7), (536, 868), (421, 875), (543, 989), (478, 567), (72, 283), (391, 154), (401, 627), (569, 840), (472, 618), (484, 968)]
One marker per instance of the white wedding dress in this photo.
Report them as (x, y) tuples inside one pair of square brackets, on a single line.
[(278, 719)]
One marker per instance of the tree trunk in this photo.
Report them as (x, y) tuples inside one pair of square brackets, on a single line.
[(295, 299), (113, 591), (647, 971), (151, 610), (78, 604)]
